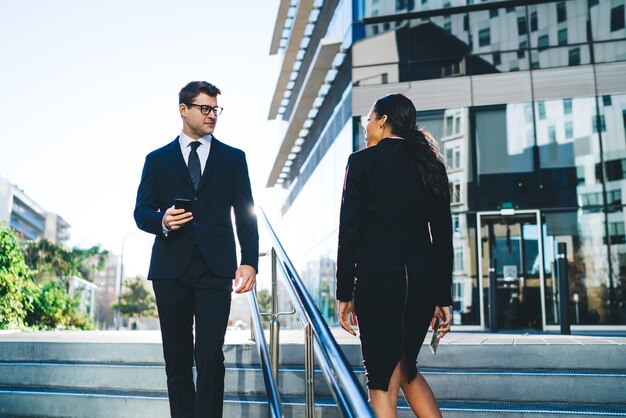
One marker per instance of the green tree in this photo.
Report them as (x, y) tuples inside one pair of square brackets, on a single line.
[(49, 261), (264, 301), (53, 308), (15, 287), (137, 300)]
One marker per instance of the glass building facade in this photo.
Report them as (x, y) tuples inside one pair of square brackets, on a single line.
[(528, 103)]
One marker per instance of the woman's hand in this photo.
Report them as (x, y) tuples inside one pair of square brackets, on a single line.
[(443, 313), (345, 309)]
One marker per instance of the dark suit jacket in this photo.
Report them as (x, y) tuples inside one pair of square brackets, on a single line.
[(224, 185), (385, 218)]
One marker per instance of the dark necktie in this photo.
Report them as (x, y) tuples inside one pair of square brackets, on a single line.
[(194, 164)]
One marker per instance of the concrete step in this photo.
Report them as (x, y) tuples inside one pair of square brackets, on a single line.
[(541, 385), (474, 375), (451, 355), (36, 402)]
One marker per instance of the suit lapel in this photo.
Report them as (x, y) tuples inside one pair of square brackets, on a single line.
[(211, 162), (176, 156)]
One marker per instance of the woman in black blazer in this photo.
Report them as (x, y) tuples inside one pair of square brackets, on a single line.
[(394, 262)]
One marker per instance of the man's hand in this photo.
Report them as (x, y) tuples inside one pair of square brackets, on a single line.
[(245, 278), (345, 309), (176, 218), (443, 313)]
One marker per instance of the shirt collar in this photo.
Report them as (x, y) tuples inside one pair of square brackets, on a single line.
[(185, 140)]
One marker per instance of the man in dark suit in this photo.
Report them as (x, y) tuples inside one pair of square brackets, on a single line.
[(193, 258)]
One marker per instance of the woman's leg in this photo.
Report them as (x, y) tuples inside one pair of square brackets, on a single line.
[(419, 396), (384, 403)]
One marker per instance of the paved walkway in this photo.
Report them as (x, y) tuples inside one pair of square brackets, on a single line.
[(297, 336)]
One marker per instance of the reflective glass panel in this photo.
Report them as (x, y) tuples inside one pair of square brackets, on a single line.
[(607, 20), (612, 124), (569, 152), (465, 290), (504, 148), (374, 8), (592, 284), (617, 286), (560, 57), (504, 31), (550, 31)]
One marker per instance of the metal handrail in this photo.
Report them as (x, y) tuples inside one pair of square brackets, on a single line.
[(344, 386), (271, 388)]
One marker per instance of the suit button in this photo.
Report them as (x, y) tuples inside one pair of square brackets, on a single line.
[(195, 198)]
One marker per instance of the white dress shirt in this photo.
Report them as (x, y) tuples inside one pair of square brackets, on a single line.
[(203, 149), (203, 154)]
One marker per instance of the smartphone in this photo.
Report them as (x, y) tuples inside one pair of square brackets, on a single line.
[(180, 203), (434, 341)]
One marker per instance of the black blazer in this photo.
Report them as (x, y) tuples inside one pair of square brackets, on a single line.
[(224, 185), (385, 218)]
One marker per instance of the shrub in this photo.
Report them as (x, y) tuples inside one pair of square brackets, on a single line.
[(15, 286)]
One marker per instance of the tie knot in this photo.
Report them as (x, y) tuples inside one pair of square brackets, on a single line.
[(194, 145)]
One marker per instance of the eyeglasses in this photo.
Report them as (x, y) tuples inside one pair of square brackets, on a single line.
[(205, 110)]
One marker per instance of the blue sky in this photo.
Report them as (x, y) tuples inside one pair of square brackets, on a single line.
[(88, 88)]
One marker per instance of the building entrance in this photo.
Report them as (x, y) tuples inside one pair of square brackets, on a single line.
[(510, 250)]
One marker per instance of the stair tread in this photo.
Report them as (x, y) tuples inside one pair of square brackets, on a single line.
[(560, 408), (357, 370)]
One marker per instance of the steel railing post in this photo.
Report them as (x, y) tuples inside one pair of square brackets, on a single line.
[(274, 323), (309, 388), (562, 273)]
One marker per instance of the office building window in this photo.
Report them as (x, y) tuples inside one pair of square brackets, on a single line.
[(617, 18), (569, 130), (616, 231), (497, 60), (453, 155), (521, 53), (484, 37), (449, 125), (447, 26), (574, 56), (455, 192), (592, 3), (528, 113), (567, 106), (594, 122), (521, 25), (541, 109), (563, 36), (459, 251), (400, 5), (614, 197), (606, 100), (561, 12), (466, 22), (543, 42), (533, 22), (493, 13)]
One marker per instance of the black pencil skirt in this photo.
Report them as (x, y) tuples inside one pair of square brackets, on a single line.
[(394, 311)]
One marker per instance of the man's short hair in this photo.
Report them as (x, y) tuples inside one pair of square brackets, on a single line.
[(194, 88)]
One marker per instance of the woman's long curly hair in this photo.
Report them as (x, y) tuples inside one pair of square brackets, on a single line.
[(402, 118)]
